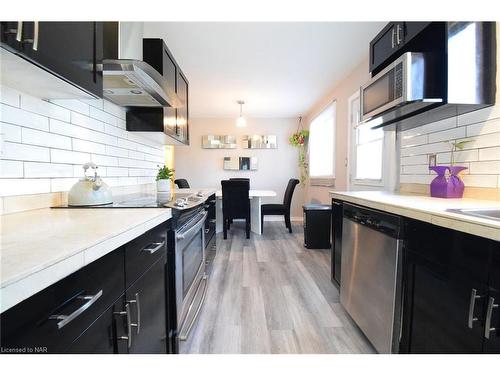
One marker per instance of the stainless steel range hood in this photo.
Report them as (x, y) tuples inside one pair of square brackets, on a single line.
[(127, 80)]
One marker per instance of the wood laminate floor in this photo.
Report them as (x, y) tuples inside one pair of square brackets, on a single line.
[(269, 294)]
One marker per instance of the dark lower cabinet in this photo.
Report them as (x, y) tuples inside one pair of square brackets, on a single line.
[(336, 240), (105, 307), (104, 336), (447, 292), (147, 310)]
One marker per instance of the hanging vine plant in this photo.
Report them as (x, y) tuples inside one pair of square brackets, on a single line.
[(299, 139)]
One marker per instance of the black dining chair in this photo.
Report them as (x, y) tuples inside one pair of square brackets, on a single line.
[(235, 203), (280, 209), (182, 183)]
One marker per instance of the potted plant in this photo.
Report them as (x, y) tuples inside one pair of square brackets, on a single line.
[(163, 179), (299, 139), (448, 183)]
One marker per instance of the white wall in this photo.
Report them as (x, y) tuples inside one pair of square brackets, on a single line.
[(203, 167), (44, 145)]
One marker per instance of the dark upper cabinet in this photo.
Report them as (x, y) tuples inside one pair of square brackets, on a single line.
[(448, 276), (69, 50), (173, 121), (390, 42)]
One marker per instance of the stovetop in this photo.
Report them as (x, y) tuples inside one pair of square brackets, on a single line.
[(175, 200)]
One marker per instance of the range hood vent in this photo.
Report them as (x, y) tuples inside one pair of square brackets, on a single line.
[(127, 80)]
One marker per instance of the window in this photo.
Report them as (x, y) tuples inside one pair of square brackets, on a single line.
[(322, 144), (368, 152)]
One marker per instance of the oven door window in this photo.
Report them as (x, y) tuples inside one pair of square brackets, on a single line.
[(192, 258), (379, 93)]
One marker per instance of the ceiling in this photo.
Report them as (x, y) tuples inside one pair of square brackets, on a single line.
[(280, 69)]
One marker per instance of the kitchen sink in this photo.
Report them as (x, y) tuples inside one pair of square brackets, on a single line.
[(486, 213)]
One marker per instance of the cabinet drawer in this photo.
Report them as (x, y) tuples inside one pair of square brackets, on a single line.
[(143, 251), (452, 249), (57, 315)]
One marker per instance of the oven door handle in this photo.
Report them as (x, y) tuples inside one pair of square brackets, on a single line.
[(195, 228)]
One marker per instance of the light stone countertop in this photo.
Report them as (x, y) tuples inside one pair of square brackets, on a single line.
[(41, 247), (428, 209)]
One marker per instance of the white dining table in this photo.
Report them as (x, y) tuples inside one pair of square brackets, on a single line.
[(255, 207)]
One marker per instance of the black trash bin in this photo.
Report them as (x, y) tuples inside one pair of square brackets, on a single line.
[(317, 224)]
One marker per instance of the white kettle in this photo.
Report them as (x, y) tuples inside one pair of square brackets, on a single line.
[(90, 191)]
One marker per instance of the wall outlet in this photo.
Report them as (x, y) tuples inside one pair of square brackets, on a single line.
[(432, 160)]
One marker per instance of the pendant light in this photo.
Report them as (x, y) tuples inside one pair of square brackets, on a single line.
[(241, 122)]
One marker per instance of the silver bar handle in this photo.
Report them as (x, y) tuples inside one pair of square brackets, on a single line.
[(65, 319), (154, 247), (398, 36), (129, 325), (19, 34), (183, 336), (138, 308), (195, 228), (35, 35), (472, 304), (392, 38), (487, 325)]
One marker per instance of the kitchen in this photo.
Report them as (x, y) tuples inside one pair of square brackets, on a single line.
[(167, 188)]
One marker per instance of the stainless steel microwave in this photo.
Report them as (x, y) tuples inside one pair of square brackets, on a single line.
[(398, 90)]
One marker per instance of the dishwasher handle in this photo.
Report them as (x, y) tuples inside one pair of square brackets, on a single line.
[(376, 220)]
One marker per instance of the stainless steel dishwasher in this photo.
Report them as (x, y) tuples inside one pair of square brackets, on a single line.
[(370, 288)]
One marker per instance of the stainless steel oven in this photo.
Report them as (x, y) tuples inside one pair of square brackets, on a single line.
[(190, 276), (403, 87)]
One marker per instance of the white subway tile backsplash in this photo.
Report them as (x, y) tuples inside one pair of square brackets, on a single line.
[(481, 155), (39, 138), (459, 156), (37, 170), (415, 169), (87, 146), (86, 122), (485, 167), (480, 115), (18, 151), (22, 186), (114, 110), (11, 169), (45, 144), (10, 132), (116, 151), (492, 153), (70, 130), (484, 181), (44, 108), (62, 184), (116, 172), (103, 116), (447, 135), (17, 116), (69, 157), (492, 126), (408, 141), (410, 160), (73, 105), (127, 144), (102, 160), (9, 96)]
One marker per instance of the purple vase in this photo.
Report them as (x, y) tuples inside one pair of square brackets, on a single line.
[(444, 186)]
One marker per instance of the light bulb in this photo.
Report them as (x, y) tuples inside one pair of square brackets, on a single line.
[(241, 122)]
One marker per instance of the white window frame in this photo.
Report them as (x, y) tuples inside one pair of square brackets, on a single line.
[(388, 150), (326, 179)]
